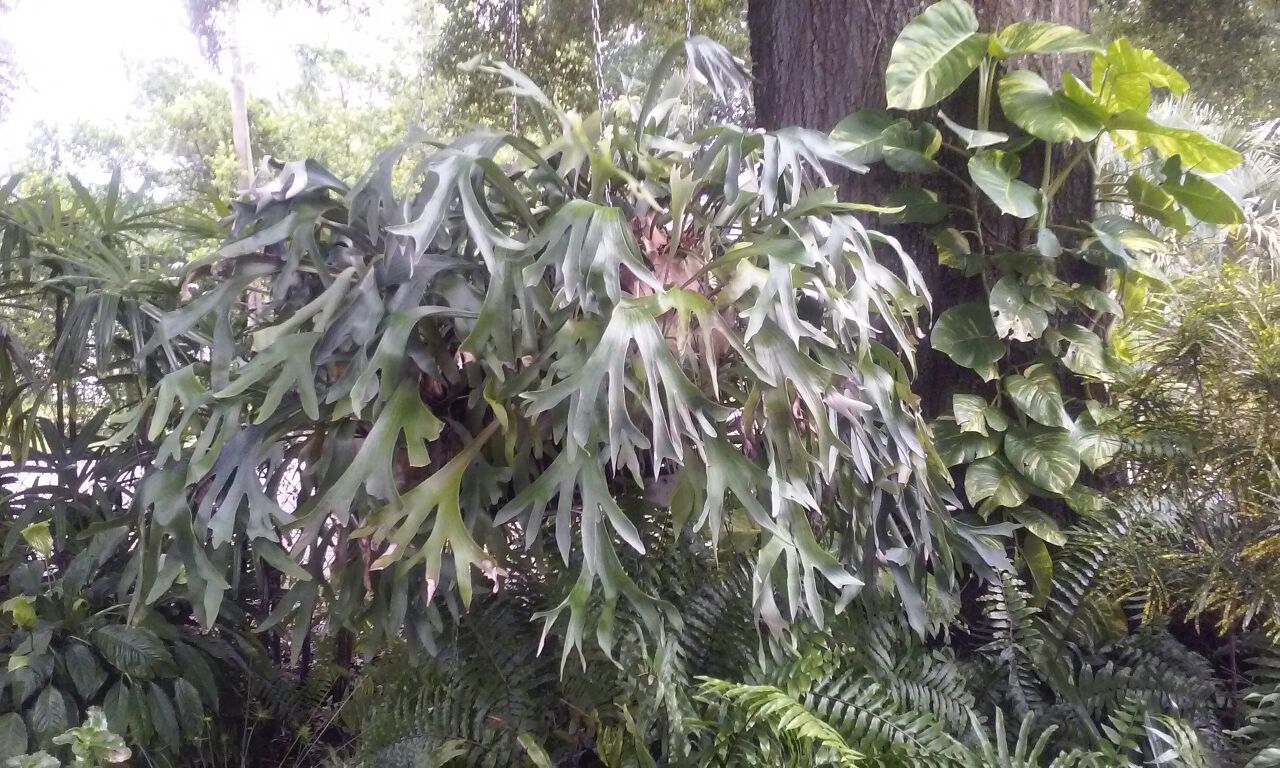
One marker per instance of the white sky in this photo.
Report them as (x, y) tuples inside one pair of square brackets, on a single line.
[(76, 56)]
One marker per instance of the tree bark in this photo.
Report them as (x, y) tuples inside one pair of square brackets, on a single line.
[(817, 61)]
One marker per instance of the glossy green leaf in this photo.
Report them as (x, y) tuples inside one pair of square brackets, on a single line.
[(1044, 456), (86, 674), (1204, 200), (933, 55), (962, 447), (1153, 202), (973, 138), (1013, 315), (1038, 396), (996, 174), (955, 252), (974, 414), (1124, 75), (993, 482), (1046, 114), (1085, 353), (1044, 527), (135, 651), (919, 206), (49, 713), (1134, 129), (1097, 445), (1024, 37), (966, 334)]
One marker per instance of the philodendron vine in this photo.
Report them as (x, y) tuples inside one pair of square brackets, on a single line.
[(1022, 439)]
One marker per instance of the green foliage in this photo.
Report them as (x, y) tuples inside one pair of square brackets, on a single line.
[(648, 380)]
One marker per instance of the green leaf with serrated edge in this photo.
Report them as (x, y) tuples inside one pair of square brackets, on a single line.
[(956, 447), (992, 482), (973, 138), (1013, 315), (966, 334), (1028, 101), (1037, 395), (1025, 37), (1123, 77), (135, 651), (1043, 526), (1205, 200), (1097, 445), (996, 174), (933, 55), (1044, 456)]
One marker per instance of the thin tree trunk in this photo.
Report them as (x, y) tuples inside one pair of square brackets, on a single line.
[(817, 61), (239, 103)]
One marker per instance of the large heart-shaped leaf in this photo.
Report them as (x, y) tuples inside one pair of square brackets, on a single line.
[(974, 414), (957, 447), (1124, 76), (933, 55), (966, 334), (1041, 37), (1097, 446), (996, 174), (1046, 114), (992, 482), (1037, 395), (1046, 457), (1013, 314)]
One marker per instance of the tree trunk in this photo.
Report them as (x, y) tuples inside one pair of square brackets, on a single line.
[(817, 61)]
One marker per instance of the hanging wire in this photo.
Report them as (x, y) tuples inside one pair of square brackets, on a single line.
[(598, 39)]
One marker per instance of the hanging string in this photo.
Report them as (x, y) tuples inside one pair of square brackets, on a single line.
[(598, 39)]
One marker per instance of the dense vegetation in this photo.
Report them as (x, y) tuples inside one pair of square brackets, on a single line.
[(594, 437)]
